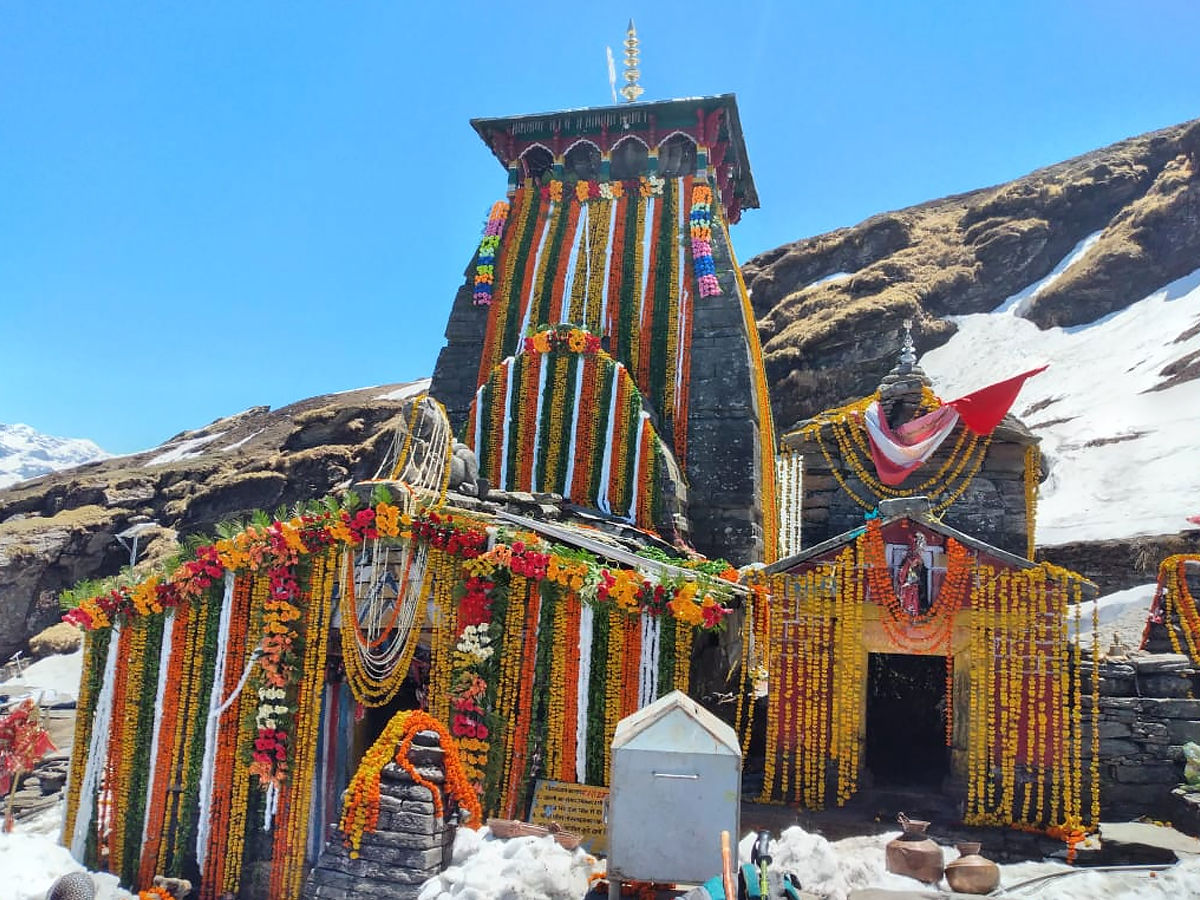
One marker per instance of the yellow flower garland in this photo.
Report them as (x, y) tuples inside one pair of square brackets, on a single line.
[(1033, 475)]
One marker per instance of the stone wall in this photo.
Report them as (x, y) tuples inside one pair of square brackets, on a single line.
[(410, 845), (991, 509), (723, 463), (1147, 713), (456, 374)]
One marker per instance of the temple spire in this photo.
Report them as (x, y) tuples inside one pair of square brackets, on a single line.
[(632, 90), (901, 390)]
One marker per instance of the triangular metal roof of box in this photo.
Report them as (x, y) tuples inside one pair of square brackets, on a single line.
[(646, 717)]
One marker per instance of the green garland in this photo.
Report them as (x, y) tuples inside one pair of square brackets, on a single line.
[(489, 671), (666, 656), (512, 324), (597, 699), (661, 323)]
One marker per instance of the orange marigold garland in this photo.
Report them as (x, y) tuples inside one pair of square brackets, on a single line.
[(929, 631)]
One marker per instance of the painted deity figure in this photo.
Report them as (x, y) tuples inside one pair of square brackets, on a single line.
[(913, 588)]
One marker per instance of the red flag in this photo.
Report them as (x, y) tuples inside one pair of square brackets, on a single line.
[(982, 410)]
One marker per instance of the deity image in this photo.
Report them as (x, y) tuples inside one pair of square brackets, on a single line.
[(913, 580)]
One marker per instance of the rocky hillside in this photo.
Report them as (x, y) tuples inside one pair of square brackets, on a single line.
[(1091, 265), (830, 306), (61, 528)]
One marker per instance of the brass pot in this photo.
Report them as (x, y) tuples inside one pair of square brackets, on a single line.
[(913, 853), (971, 873)]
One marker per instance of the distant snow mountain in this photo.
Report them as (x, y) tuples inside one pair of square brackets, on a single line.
[(27, 453)]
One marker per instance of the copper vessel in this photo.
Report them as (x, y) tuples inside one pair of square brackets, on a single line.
[(913, 854), (971, 873)]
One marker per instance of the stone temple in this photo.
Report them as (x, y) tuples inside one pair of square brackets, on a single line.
[(615, 223)]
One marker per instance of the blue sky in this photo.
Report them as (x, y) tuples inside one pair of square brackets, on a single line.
[(210, 206)]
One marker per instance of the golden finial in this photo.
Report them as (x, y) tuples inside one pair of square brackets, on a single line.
[(632, 89)]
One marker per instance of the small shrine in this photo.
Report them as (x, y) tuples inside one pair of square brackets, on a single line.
[(903, 649)]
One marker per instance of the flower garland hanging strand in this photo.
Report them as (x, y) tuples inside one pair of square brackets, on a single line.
[(1033, 476), (485, 262)]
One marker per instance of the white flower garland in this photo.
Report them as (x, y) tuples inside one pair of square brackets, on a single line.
[(602, 500), (581, 692), (504, 426), (648, 660), (212, 727), (537, 265), (571, 449)]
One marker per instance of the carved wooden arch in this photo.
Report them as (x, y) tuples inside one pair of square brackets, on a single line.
[(585, 170), (625, 165), (527, 170)]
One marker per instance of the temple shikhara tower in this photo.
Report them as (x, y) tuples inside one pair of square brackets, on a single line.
[(604, 349)]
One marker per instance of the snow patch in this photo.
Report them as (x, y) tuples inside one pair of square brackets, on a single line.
[(1122, 613), (32, 861), (49, 680), (408, 390), (237, 444), (27, 453), (1018, 304), (531, 868), (836, 276), (186, 449), (1123, 459), (835, 869)]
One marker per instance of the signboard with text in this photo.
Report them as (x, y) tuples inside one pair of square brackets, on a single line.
[(578, 808)]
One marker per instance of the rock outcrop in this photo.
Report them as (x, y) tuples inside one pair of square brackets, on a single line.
[(62, 528)]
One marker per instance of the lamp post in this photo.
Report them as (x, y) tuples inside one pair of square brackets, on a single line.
[(129, 538)]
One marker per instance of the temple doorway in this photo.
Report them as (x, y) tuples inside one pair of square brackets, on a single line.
[(906, 720)]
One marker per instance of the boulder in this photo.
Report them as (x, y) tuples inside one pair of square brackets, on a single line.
[(60, 638)]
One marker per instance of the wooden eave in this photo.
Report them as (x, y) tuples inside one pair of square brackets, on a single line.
[(840, 540), (669, 115)]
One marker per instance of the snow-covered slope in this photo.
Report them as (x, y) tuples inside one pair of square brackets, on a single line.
[(1118, 411), (27, 453)]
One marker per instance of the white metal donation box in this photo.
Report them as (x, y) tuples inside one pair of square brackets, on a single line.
[(676, 785)]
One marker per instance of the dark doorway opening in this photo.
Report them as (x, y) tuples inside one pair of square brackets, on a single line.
[(906, 720)]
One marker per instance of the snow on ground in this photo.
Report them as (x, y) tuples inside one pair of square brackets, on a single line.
[(834, 869), (49, 680), (408, 390), (185, 449), (1122, 613), (1019, 302), (1123, 460), (31, 859), (529, 868)]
